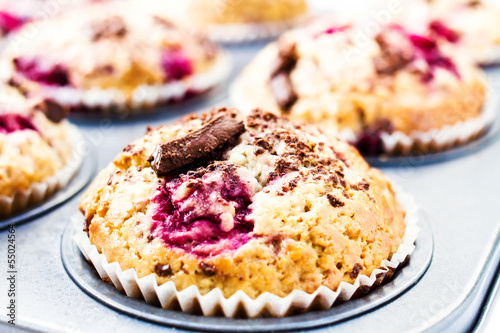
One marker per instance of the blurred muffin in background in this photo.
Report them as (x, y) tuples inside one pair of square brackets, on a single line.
[(371, 90), (35, 144), (238, 20), (111, 55), (15, 13)]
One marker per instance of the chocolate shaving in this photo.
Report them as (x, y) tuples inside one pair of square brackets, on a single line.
[(163, 270), (355, 271), (54, 111), (207, 269), (170, 155), (109, 28), (334, 201)]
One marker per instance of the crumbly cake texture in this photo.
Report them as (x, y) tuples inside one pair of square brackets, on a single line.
[(32, 146), (88, 49), (398, 80), (276, 208), (204, 13)]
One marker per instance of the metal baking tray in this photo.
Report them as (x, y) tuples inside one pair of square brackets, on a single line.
[(458, 199)]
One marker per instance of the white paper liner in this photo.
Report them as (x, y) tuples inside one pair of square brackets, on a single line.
[(399, 143), (489, 57), (250, 32), (211, 303), (40, 191), (144, 96)]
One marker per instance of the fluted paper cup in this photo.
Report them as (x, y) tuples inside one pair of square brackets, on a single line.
[(191, 300)]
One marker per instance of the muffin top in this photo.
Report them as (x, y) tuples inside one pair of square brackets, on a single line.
[(476, 25), (34, 141), (253, 203), (206, 12), (338, 76), (14, 14), (90, 48)]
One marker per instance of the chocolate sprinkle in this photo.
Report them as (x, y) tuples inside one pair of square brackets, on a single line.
[(170, 155), (207, 269), (163, 270), (355, 271), (334, 201)]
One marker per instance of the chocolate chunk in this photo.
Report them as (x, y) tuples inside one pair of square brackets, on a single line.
[(163, 270), (109, 28), (397, 52), (54, 111), (170, 155), (334, 201), (207, 269), (281, 88), (355, 271), (280, 83)]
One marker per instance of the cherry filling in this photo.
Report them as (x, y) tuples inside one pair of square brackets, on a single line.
[(429, 50), (443, 31), (175, 64), (11, 122), (369, 141), (332, 30), (204, 213), (9, 22), (53, 76)]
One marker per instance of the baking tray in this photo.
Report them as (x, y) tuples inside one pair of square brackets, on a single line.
[(458, 197), (86, 277)]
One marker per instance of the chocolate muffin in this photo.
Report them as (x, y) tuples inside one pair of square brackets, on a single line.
[(398, 81), (243, 203)]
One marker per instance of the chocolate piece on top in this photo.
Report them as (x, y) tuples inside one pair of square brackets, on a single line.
[(170, 155), (280, 83), (397, 52), (282, 90), (54, 111)]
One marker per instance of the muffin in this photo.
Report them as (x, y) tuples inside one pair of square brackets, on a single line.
[(14, 14), (398, 82), (35, 142), (238, 20), (90, 60), (243, 203), (476, 24)]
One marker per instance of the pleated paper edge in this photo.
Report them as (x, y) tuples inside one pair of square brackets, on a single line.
[(144, 96), (38, 192), (401, 144), (191, 299)]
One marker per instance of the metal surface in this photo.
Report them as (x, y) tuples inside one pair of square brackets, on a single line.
[(458, 197), (78, 182), (87, 278)]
